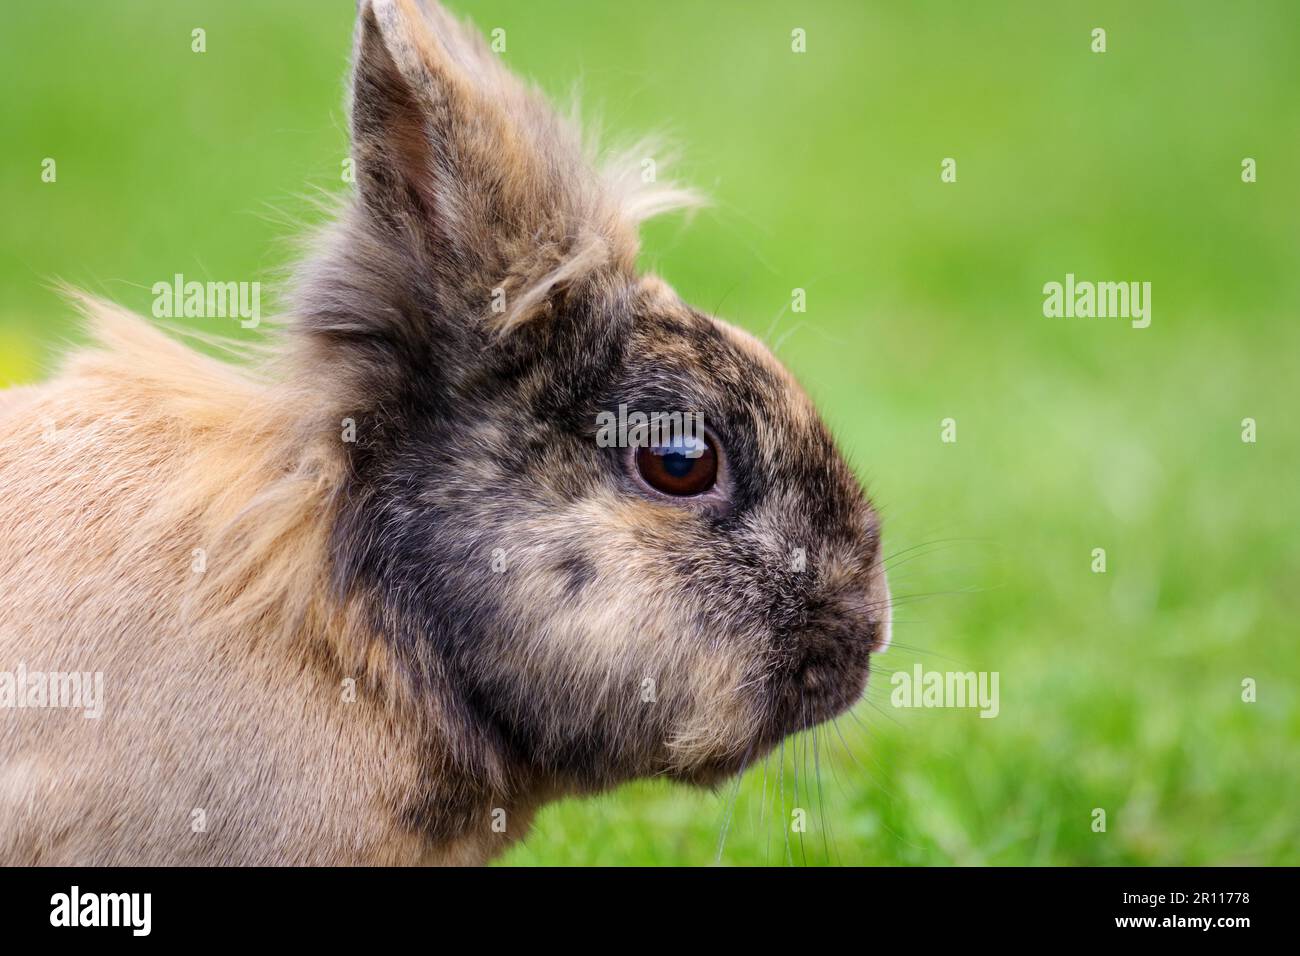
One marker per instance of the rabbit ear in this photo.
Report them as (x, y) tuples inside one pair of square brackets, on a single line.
[(477, 207), (473, 173), (434, 151)]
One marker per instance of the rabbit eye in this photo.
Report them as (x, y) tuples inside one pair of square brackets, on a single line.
[(680, 468)]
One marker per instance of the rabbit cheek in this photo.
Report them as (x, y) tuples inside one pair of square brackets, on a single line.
[(638, 686)]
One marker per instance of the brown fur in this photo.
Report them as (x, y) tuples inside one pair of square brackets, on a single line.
[(342, 679)]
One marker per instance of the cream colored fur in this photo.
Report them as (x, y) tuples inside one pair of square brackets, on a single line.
[(112, 476)]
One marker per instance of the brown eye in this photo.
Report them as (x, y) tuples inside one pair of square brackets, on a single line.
[(680, 468)]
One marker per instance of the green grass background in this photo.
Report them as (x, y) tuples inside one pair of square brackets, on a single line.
[(1119, 691)]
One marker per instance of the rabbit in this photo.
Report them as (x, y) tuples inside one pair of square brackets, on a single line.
[(378, 594)]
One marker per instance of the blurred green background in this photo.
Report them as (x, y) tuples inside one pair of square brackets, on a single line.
[(1120, 691)]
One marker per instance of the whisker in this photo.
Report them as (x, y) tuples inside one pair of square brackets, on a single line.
[(889, 563), (798, 800), (821, 798), (731, 808), (781, 786)]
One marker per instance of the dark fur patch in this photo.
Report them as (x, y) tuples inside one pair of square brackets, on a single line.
[(578, 572)]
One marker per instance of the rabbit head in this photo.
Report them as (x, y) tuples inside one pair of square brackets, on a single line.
[(587, 610)]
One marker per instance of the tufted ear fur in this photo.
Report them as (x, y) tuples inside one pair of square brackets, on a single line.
[(477, 205)]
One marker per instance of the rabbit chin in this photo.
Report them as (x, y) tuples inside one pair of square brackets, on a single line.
[(822, 673), (769, 732), (815, 689)]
